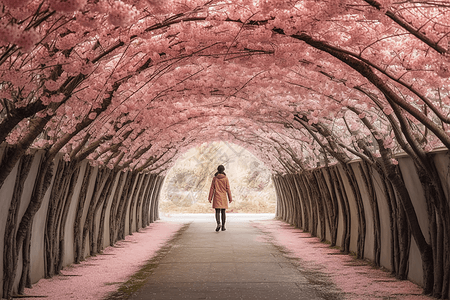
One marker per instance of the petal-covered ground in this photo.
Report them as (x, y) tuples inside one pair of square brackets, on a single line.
[(355, 278), (97, 276)]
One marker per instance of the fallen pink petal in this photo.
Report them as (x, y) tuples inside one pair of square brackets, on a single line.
[(356, 280), (333, 115), (102, 274)]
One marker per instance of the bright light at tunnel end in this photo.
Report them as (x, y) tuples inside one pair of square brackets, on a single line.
[(187, 183)]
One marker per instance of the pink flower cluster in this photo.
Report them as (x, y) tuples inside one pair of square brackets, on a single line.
[(13, 34), (15, 3), (121, 14), (67, 6)]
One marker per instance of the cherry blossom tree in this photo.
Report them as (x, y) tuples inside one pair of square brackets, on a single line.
[(130, 85)]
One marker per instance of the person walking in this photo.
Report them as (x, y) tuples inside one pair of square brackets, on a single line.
[(220, 189)]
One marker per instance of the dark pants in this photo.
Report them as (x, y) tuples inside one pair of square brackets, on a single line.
[(220, 211)]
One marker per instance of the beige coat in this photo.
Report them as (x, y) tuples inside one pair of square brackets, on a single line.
[(220, 188)]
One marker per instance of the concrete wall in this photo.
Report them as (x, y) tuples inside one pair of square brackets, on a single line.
[(39, 222), (37, 236), (37, 243), (410, 176)]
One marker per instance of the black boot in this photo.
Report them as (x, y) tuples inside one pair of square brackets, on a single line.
[(218, 219), (224, 218)]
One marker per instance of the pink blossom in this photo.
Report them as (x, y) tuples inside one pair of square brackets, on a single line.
[(73, 68), (51, 85), (200, 69), (388, 142), (57, 98), (355, 126), (388, 110), (13, 137), (15, 3), (121, 14), (67, 42), (8, 33), (361, 282), (5, 94), (27, 40), (443, 70), (67, 6), (99, 275)]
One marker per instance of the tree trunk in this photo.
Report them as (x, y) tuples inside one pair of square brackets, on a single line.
[(9, 251), (435, 195), (390, 200), (307, 202), (320, 199), (298, 202), (42, 183), (104, 195), (361, 212), (136, 195), (16, 115), (60, 184), (310, 203), (277, 192), (140, 201), (113, 210), (124, 203), (100, 183), (74, 171), (77, 231), (404, 242), (329, 208), (303, 198), (367, 177), (284, 200), (156, 199), (25, 280), (424, 248), (347, 221), (334, 207), (101, 228), (290, 200), (14, 154), (146, 200), (314, 206)]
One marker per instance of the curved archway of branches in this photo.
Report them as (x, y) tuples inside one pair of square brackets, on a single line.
[(133, 84)]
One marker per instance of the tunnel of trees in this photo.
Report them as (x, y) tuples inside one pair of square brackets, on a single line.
[(322, 91)]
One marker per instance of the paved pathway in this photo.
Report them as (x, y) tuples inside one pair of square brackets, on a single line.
[(234, 264)]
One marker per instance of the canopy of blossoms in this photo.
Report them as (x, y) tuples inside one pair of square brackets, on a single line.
[(133, 84)]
